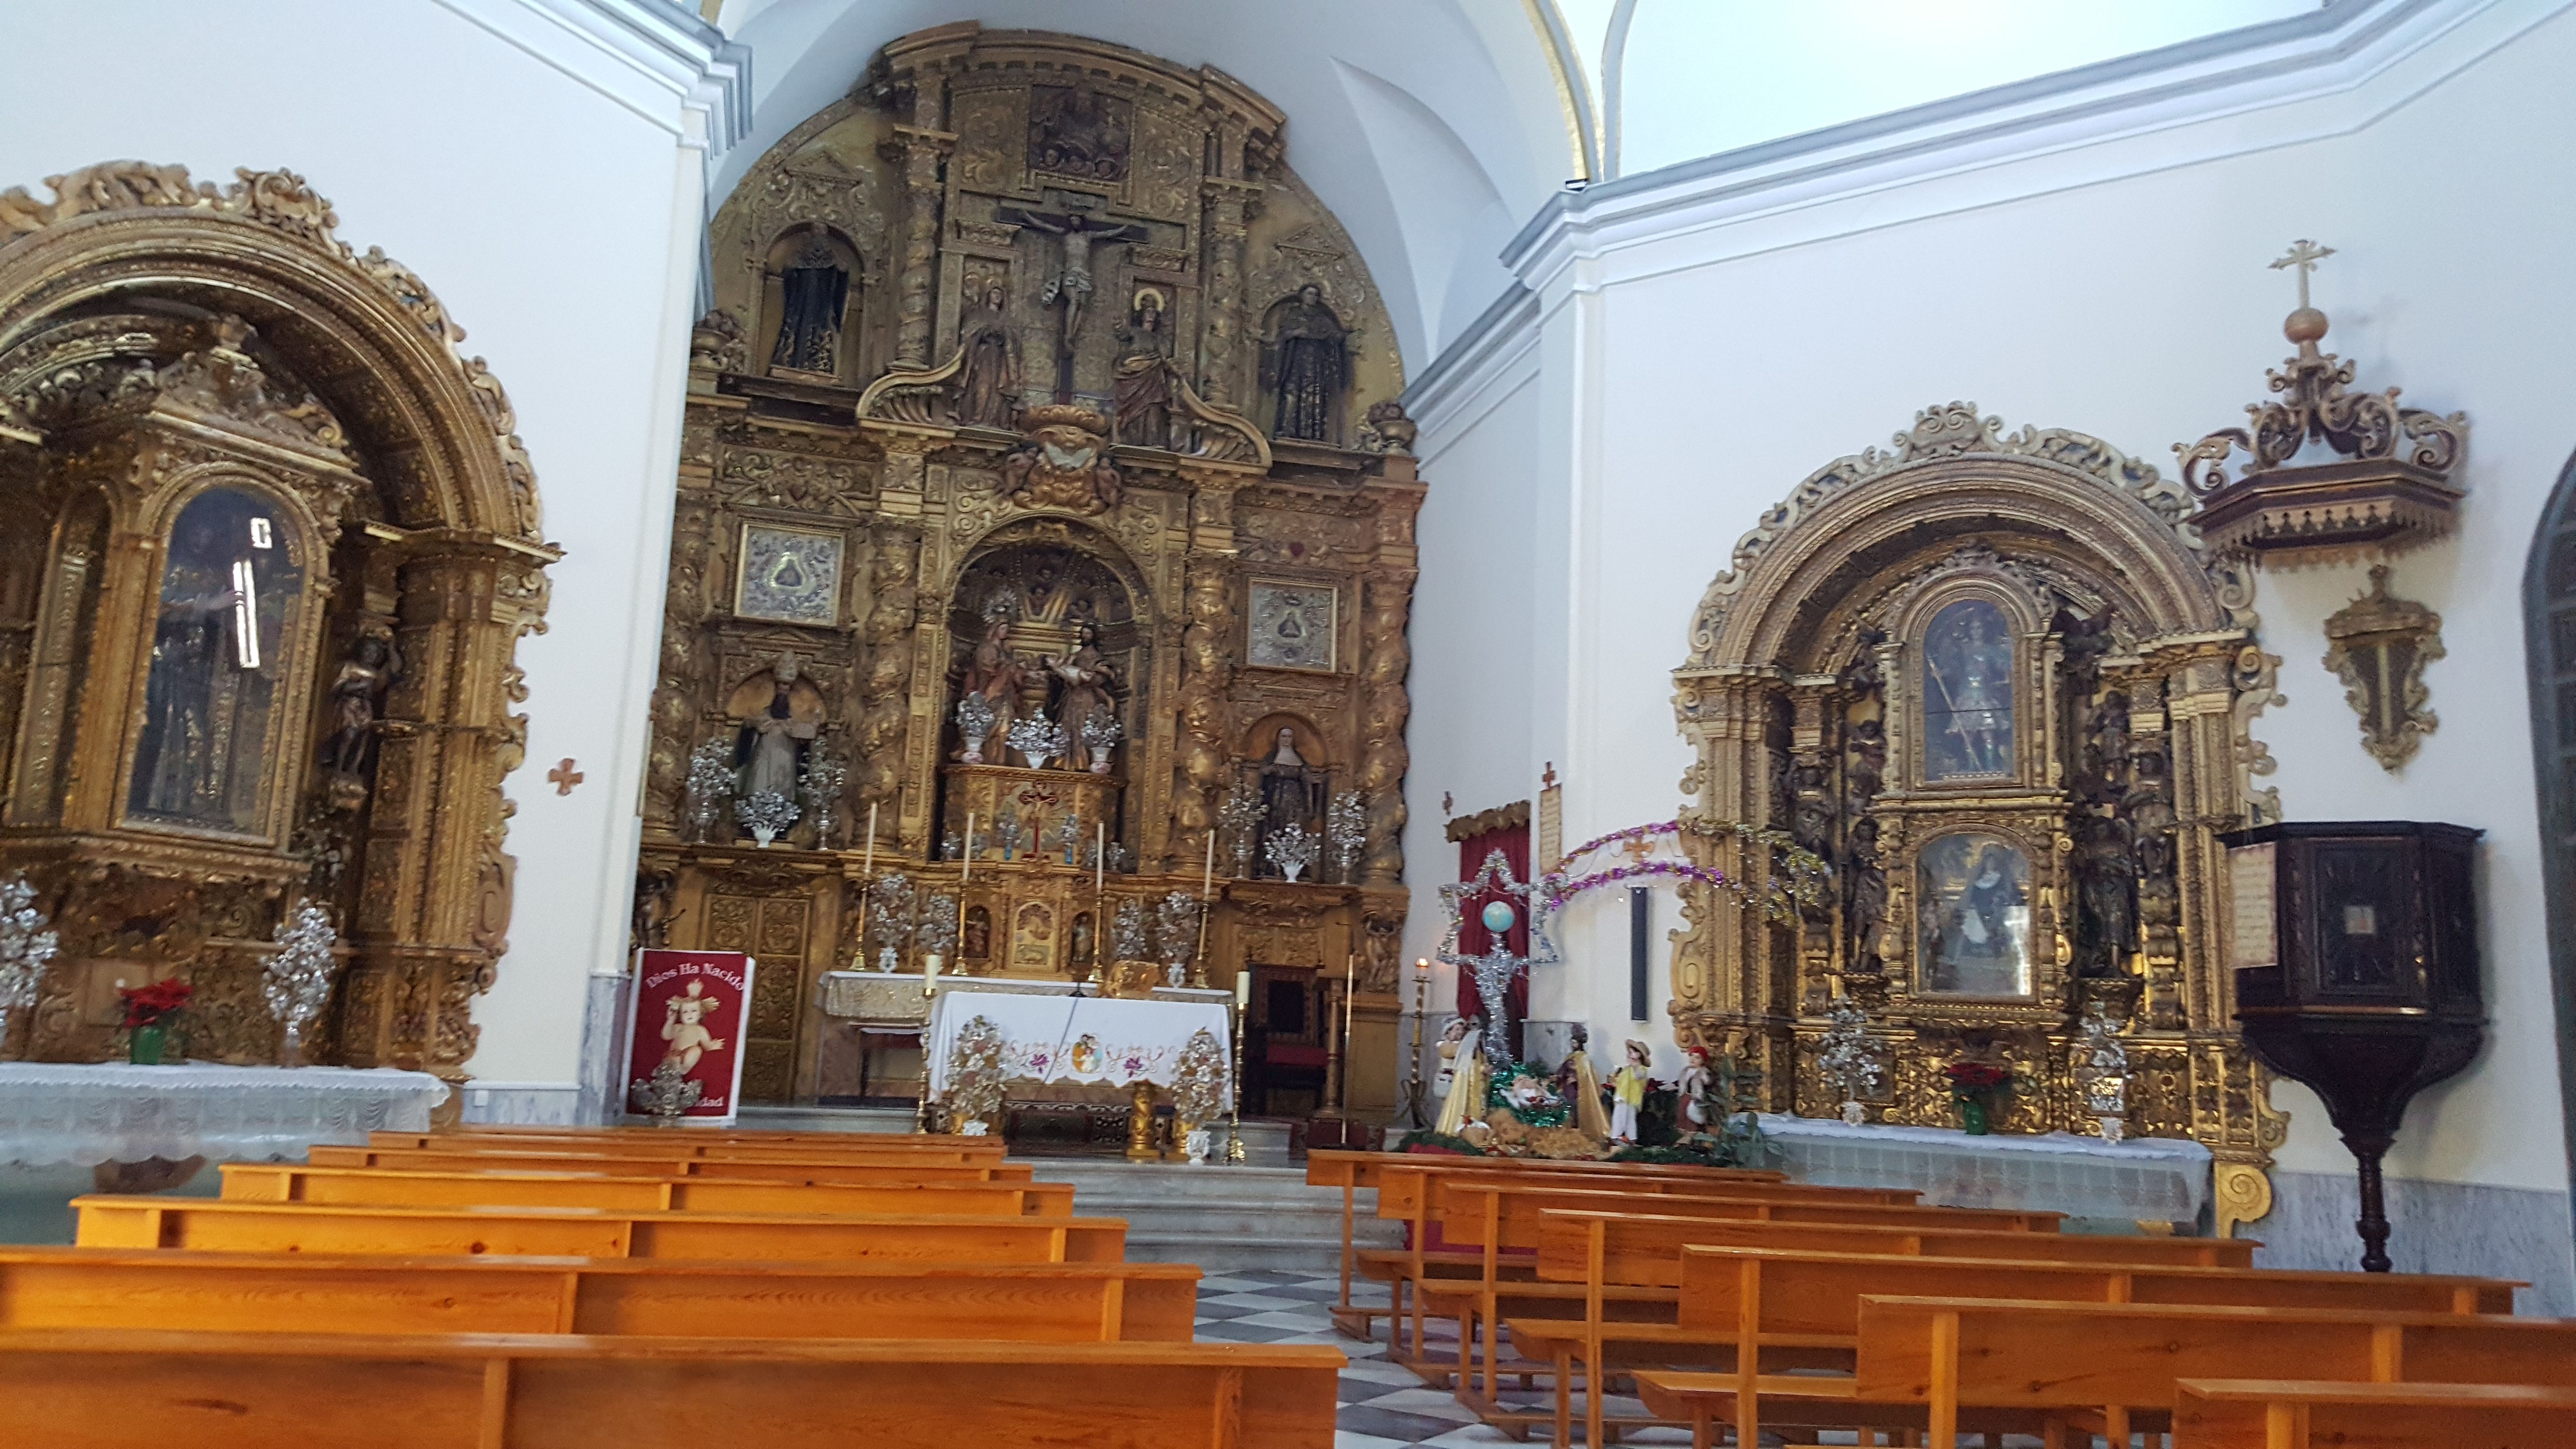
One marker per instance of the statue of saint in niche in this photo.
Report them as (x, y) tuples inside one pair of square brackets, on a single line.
[(1976, 915), (988, 392), (773, 741), (812, 292), (355, 695), (995, 672), (1967, 693), (1087, 680), (1142, 388), (1306, 364), (217, 647), (1292, 793)]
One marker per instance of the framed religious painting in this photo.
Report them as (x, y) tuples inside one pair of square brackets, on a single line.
[(1968, 688), (1293, 625), (1974, 888), (687, 1016), (789, 575)]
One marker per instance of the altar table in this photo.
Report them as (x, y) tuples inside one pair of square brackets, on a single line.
[(2153, 1179), (85, 1114), (1087, 1039)]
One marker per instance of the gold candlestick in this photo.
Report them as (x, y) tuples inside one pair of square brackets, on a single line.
[(1235, 1156), (1413, 1059)]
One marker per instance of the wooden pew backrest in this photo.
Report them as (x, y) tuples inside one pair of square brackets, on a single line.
[(2279, 1414), (265, 1182)]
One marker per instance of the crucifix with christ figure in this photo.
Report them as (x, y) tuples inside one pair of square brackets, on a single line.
[(1076, 232)]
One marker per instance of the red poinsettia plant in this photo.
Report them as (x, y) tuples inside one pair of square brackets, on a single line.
[(1973, 1078), (155, 1004)]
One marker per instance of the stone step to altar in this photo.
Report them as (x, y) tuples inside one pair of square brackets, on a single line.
[(766, 1117), (1224, 1219)]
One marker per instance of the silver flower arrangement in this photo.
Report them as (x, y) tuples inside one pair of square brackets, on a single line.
[(1127, 931), (1008, 833), (1291, 849), (1038, 739), (936, 934), (710, 783), (26, 948), (766, 814), (1844, 1058), (975, 720), (298, 977), (825, 775), (1101, 734), (1176, 927), (1346, 830), (890, 906), (1239, 816)]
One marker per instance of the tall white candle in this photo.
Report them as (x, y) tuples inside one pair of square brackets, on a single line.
[(1243, 987), (1207, 876), (969, 873), (1099, 854), (869, 870)]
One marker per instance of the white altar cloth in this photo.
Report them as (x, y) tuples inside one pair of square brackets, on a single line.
[(1044, 1037), (2159, 1179), (89, 1113)]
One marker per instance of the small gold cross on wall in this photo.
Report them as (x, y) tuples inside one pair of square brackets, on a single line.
[(563, 777), (2304, 255)]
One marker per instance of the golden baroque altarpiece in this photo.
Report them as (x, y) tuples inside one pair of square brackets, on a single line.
[(1037, 384), (2001, 685), (276, 544)]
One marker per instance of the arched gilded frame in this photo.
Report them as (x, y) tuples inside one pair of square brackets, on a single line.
[(1826, 665)]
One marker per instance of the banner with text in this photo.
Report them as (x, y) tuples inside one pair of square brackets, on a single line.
[(684, 1048)]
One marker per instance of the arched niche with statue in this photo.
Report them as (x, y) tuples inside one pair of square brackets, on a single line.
[(1999, 685)]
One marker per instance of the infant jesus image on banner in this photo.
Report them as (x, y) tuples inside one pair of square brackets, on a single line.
[(684, 1050)]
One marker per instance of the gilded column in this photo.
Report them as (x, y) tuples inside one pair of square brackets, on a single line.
[(894, 607), (925, 146), (684, 659), (1228, 209), (1207, 666), (1386, 658)]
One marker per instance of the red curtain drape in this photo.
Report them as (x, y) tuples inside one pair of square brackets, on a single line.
[(1473, 940)]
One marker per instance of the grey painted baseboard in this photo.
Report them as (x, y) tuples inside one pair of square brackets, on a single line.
[(603, 1028), (522, 1104), (2434, 1227)]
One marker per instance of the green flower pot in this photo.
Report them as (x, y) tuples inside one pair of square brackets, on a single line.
[(143, 1047), (1974, 1116)]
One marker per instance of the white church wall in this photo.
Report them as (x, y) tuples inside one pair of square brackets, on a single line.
[(2107, 275), (539, 164)]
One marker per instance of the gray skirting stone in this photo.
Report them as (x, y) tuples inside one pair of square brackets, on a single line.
[(2434, 1227)]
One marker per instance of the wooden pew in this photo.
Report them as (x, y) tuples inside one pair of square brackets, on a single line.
[(1423, 1196), (683, 1146), (697, 1141), (306, 1293), (1932, 1357), (1646, 1247), (2289, 1414), (220, 1225), (1354, 1172), (149, 1390), (1508, 1218), (427, 1160), (1810, 1303), (263, 1182)]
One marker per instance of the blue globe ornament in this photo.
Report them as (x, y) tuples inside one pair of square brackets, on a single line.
[(1498, 917)]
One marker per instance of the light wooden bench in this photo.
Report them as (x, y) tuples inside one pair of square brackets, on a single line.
[(1810, 1303), (1645, 1246), (695, 1142), (682, 1148), (1355, 1172), (2289, 1414), (1500, 1219), (473, 1391), (307, 1293), (263, 1182), (1930, 1358), (877, 1170), (218, 1225)]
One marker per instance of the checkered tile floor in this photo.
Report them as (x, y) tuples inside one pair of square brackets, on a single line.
[(1383, 1406)]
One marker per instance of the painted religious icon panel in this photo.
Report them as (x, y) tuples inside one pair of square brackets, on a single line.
[(1968, 694), (791, 575), (229, 593), (1976, 926), (1292, 626)]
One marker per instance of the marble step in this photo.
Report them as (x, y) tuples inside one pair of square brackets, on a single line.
[(1224, 1219)]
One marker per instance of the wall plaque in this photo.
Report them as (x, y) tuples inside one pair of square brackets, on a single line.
[(791, 575), (2252, 935), (1292, 626)]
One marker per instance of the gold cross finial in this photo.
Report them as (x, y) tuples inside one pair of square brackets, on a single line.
[(2304, 255)]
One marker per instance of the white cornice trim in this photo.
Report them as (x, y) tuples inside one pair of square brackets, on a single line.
[(1461, 385), (2331, 72), (653, 58)]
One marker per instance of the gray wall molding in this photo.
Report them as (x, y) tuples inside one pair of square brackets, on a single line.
[(2436, 1227)]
